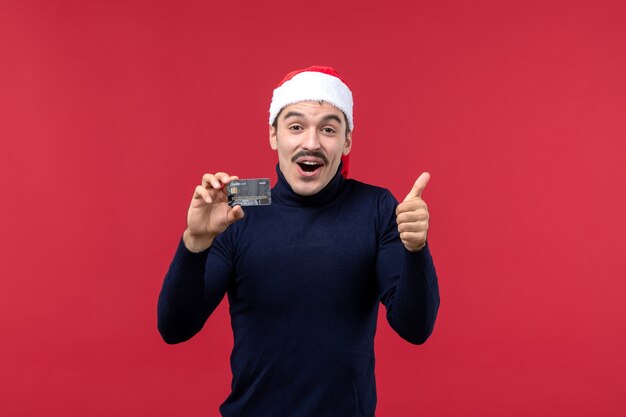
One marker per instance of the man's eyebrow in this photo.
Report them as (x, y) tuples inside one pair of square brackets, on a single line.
[(292, 114), (332, 117), (324, 119)]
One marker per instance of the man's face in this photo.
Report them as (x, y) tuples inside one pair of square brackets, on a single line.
[(310, 138)]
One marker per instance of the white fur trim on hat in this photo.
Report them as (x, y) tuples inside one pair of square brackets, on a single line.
[(313, 86)]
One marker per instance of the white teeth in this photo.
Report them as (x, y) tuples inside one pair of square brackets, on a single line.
[(309, 163)]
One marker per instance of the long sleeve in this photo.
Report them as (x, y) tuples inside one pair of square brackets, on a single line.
[(408, 284), (304, 278), (193, 287)]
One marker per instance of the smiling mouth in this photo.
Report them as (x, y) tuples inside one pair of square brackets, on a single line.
[(309, 166), (310, 162)]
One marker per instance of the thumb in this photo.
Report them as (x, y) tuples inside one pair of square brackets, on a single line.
[(234, 214), (419, 186)]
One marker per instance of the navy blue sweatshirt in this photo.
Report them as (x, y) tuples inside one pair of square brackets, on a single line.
[(304, 278)]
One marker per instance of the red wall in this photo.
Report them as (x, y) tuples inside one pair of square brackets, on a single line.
[(110, 112)]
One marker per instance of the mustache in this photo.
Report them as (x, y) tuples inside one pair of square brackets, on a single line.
[(311, 154)]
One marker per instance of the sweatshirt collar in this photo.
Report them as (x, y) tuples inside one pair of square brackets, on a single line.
[(283, 193)]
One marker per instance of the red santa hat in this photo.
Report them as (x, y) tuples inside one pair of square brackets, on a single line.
[(316, 83)]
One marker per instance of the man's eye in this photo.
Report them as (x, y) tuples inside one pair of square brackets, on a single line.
[(295, 127), (328, 130)]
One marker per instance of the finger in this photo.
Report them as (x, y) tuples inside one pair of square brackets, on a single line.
[(412, 227), (413, 239), (412, 216), (201, 193), (419, 186), (414, 204), (413, 236), (229, 179), (236, 213), (223, 177), (211, 181)]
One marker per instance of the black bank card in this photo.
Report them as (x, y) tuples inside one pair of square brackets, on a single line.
[(249, 192)]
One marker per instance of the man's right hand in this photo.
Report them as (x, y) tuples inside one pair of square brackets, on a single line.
[(209, 213)]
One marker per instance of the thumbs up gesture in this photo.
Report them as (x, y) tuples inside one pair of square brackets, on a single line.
[(412, 216)]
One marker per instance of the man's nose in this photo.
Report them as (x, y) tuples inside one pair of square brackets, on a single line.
[(311, 140)]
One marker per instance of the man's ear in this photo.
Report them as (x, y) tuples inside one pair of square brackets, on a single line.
[(273, 143), (348, 144)]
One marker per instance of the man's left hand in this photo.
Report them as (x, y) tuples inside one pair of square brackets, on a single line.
[(412, 216)]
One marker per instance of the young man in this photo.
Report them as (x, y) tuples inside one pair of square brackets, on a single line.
[(305, 275)]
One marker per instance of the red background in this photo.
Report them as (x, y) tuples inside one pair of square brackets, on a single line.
[(110, 112)]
